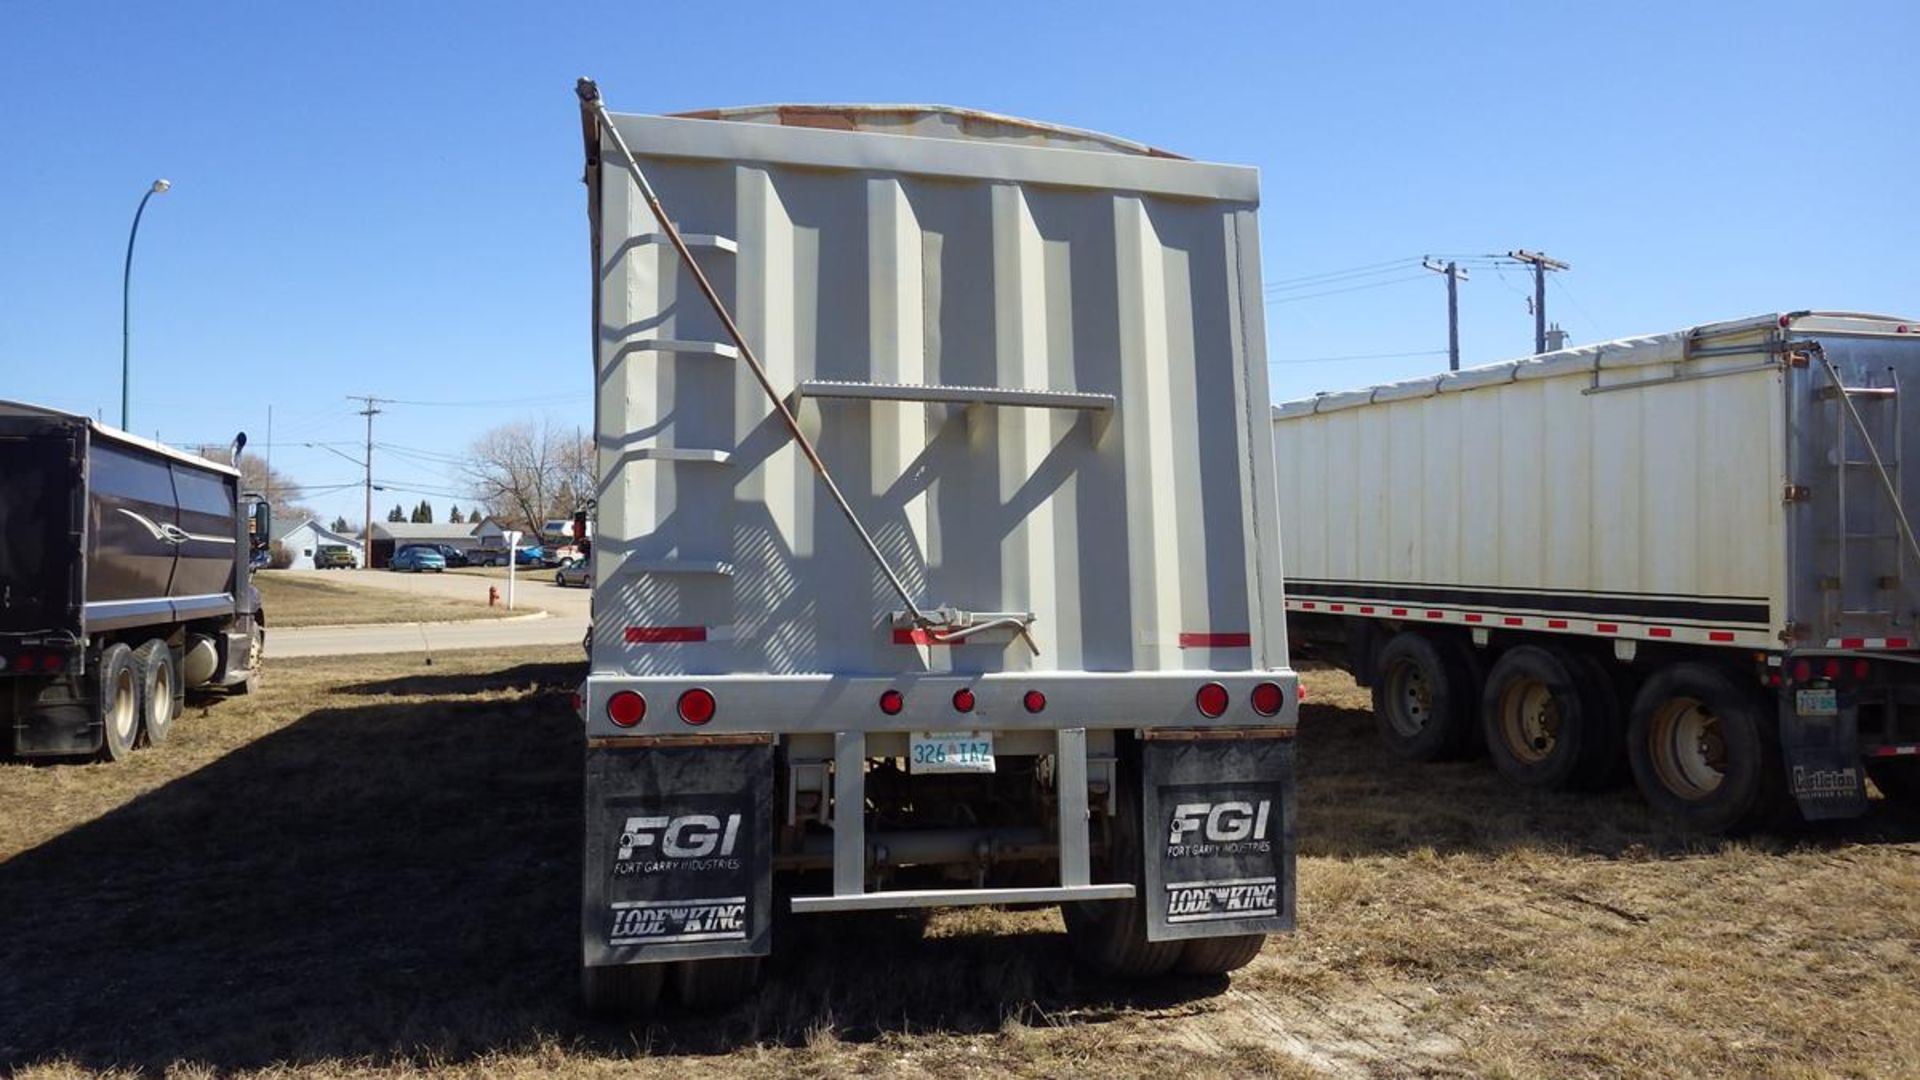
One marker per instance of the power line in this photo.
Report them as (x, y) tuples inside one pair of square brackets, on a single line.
[(552, 399), (1348, 289), (1309, 280)]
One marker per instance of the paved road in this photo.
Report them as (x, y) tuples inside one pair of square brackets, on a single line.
[(565, 625)]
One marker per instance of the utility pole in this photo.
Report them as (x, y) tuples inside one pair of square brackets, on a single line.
[(1454, 276), (1541, 264), (366, 532)]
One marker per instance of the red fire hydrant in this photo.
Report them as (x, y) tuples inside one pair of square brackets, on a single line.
[(493, 595)]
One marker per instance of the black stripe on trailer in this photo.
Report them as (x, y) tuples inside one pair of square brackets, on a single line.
[(1718, 610)]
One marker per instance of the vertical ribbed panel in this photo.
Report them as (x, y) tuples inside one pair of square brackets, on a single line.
[(1020, 298), (1148, 425)]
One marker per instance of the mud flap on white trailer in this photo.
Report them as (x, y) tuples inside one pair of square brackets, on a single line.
[(679, 861), (1220, 838), (1821, 755)]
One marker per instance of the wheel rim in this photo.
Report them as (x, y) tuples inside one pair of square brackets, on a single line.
[(122, 715), (1529, 720), (1689, 751), (1409, 699), (161, 712)]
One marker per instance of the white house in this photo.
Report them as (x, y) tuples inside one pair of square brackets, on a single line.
[(301, 541)]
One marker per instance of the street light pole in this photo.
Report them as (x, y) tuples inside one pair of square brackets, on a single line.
[(126, 302)]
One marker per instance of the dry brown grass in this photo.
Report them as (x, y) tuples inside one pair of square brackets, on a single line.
[(370, 869), (299, 598)]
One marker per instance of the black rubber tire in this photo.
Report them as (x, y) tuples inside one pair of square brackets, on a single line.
[(623, 992), (1109, 937), (1604, 747), (1898, 779), (715, 984), (1550, 760), (1752, 785), (159, 679), (116, 702), (1418, 707), (1219, 955)]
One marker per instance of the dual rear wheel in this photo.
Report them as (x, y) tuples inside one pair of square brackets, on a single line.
[(137, 694)]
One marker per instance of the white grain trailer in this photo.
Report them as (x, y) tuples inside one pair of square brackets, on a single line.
[(933, 560), (1690, 554)]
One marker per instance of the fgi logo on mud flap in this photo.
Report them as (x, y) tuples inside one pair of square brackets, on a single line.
[(689, 842), (1231, 835)]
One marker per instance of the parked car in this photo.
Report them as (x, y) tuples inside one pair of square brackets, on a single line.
[(454, 556), (418, 558), (578, 572), (530, 556), (333, 557)]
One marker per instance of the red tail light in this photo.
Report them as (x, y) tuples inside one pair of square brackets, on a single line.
[(1861, 670), (963, 700), (1802, 671), (696, 706), (1211, 699), (1830, 669), (1268, 698), (892, 702), (626, 708), (1034, 700)]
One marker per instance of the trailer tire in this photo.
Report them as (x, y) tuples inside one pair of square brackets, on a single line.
[(622, 991), (1898, 779), (1604, 744), (159, 679), (1109, 937), (1219, 955), (715, 984), (117, 702), (1418, 704), (1533, 712), (1703, 750)]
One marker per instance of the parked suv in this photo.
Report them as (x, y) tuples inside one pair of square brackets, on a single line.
[(333, 557)]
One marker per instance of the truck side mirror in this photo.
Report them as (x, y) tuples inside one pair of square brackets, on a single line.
[(260, 524)]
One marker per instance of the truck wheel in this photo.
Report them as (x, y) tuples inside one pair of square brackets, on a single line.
[(1109, 937), (117, 702), (1605, 743), (715, 984), (1219, 955), (1702, 749), (159, 680), (623, 991), (1534, 717), (1417, 704), (1898, 779)]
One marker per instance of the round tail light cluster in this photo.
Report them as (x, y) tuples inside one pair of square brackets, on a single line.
[(696, 706), (892, 702), (1034, 700), (1268, 699), (1211, 700), (963, 700)]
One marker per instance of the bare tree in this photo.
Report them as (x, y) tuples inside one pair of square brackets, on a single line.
[(523, 473), (282, 491)]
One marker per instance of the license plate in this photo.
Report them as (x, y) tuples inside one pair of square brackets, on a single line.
[(1816, 703), (950, 752)]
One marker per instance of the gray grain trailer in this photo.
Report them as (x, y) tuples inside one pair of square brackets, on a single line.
[(125, 580), (933, 559), (1690, 555)]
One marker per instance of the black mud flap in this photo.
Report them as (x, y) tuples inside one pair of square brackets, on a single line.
[(1219, 845), (679, 859), (1822, 760)]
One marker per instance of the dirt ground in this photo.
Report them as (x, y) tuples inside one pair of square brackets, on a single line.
[(307, 598), (370, 868)]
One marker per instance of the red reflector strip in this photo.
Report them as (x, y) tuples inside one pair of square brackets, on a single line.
[(1435, 614), (660, 635), (1307, 605), (1475, 618), (1336, 607), (1853, 643), (1606, 628), (1719, 635), (1896, 643), (1194, 640), (1659, 631), (1366, 610), (1894, 751), (1556, 624), (1399, 611), (1514, 620)]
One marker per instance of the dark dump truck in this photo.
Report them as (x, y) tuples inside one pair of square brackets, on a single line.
[(125, 580)]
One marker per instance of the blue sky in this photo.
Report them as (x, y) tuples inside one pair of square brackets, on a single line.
[(384, 198)]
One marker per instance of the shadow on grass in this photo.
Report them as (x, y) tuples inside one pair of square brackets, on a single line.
[(399, 881), (563, 677)]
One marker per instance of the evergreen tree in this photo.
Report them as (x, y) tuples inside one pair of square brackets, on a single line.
[(396, 514), (340, 525), (454, 518)]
